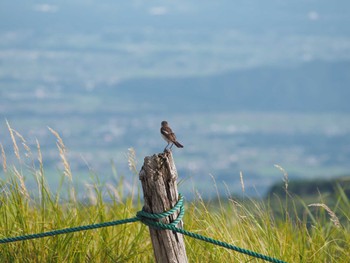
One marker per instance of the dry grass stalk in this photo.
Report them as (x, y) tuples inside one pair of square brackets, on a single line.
[(14, 142), (22, 185), (242, 181), (332, 215), (28, 151), (40, 158), (132, 160), (24, 142), (285, 176), (63, 151), (3, 157)]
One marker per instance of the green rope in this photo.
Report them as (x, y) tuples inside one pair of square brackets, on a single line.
[(68, 230), (148, 219)]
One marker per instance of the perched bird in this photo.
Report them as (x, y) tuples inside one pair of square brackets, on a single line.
[(169, 136)]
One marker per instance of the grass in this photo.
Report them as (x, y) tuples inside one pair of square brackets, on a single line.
[(319, 234)]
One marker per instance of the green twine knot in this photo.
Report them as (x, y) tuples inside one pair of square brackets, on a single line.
[(149, 218)]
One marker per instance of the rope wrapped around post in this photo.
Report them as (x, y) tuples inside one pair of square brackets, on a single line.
[(146, 218)]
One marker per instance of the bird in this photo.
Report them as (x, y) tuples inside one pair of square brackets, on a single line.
[(169, 136)]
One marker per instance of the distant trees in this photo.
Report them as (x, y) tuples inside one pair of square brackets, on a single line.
[(315, 187)]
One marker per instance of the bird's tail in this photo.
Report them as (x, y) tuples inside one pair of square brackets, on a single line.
[(178, 145)]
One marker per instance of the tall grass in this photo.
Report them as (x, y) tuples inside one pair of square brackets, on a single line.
[(320, 235)]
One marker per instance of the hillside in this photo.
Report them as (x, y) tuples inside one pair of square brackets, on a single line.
[(313, 188), (312, 87)]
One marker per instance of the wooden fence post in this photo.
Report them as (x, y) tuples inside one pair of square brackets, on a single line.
[(158, 177)]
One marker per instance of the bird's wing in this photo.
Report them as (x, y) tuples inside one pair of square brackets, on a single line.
[(168, 133)]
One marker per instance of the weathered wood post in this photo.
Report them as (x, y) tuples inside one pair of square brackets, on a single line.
[(158, 177)]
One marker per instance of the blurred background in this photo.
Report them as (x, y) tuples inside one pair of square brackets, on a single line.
[(244, 84)]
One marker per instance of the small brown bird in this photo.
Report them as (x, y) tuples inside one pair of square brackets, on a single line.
[(169, 136)]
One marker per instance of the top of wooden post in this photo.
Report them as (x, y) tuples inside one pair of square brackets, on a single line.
[(158, 176)]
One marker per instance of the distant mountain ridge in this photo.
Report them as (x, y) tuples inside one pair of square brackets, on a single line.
[(312, 87)]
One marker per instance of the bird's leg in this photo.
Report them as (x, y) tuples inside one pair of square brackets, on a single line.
[(171, 146), (166, 147)]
